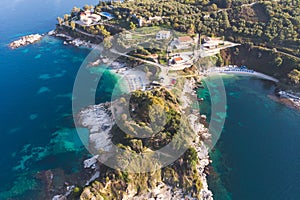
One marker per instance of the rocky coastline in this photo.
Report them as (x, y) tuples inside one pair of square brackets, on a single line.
[(99, 120), (287, 98), (203, 138), (25, 40), (69, 40)]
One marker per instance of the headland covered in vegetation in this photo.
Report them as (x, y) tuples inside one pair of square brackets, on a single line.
[(177, 41), (268, 31)]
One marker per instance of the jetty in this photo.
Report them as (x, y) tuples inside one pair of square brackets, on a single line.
[(25, 40)]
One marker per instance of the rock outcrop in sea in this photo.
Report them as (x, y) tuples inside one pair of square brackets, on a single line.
[(25, 40)]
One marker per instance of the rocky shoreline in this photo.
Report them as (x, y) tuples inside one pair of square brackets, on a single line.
[(98, 119), (203, 138), (25, 40), (68, 40), (286, 101)]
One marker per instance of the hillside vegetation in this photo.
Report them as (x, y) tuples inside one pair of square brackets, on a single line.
[(146, 111), (267, 27)]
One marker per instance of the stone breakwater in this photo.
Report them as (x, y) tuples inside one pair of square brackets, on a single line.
[(25, 40)]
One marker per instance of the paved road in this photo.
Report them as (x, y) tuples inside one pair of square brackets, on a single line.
[(164, 70)]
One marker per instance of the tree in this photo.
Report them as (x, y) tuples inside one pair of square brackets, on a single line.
[(191, 29), (228, 3), (86, 7), (66, 17), (107, 44), (74, 11), (226, 20), (219, 60), (214, 7), (60, 21), (278, 61), (103, 31), (72, 24), (294, 76), (132, 26)]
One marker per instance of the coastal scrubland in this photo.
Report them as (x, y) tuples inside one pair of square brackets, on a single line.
[(269, 32), (146, 111), (269, 27)]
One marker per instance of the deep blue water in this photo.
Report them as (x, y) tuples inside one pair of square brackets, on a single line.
[(257, 156), (258, 153), (37, 128)]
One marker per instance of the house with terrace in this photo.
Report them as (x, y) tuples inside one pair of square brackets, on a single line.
[(183, 42), (212, 43), (88, 18), (163, 35)]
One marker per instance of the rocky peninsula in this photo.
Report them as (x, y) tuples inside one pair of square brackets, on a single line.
[(185, 178), (25, 40)]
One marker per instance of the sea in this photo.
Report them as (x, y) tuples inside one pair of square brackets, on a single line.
[(36, 84), (256, 157)]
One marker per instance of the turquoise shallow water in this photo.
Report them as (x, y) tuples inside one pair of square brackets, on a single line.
[(257, 155), (37, 128)]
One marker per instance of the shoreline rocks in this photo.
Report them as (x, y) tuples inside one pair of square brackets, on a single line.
[(25, 40), (73, 40), (203, 137), (97, 119), (289, 98), (285, 101)]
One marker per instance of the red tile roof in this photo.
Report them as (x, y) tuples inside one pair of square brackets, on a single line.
[(185, 39), (178, 59)]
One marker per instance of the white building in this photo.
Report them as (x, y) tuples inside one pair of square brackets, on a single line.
[(141, 21), (212, 43), (85, 20), (88, 18), (184, 42), (163, 35), (95, 17)]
